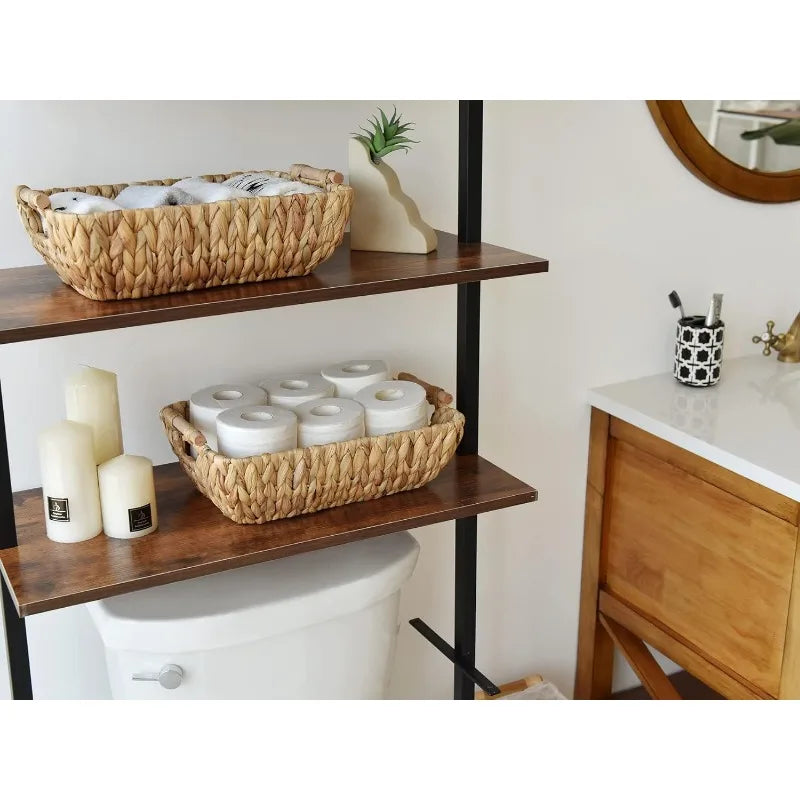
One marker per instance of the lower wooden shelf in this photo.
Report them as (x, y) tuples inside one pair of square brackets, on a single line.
[(195, 539)]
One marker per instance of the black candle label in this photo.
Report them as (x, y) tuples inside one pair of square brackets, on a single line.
[(58, 509), (140, 519)]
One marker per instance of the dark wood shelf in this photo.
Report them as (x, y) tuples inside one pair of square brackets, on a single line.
[(764, 113), (34, 304), (195, 539)]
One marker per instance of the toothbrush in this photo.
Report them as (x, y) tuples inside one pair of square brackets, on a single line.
[(675, 300)]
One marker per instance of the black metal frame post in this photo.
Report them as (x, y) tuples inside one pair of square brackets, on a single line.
[(16, 639), (468, 335), (470, 195)]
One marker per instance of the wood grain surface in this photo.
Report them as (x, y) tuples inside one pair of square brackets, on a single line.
[(749, 491), (711, 672), (595, 661), (700, 560), (641, 660), (195, 539), (34, 304)]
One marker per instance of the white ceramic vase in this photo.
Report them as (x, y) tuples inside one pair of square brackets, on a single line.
[(383, 218)]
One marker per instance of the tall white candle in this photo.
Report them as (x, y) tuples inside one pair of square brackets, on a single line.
[(128, 497), (69, 483), (91, 397)]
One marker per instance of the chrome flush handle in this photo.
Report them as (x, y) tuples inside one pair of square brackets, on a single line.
[(169, 676)]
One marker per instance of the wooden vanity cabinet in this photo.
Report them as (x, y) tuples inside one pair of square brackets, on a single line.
[(690, 558)]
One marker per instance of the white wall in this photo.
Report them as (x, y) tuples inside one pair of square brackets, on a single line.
[(590, 185)]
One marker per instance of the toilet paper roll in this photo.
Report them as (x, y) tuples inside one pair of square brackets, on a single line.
[(391, 406), (329, 419), (206, 404), (349, 377), (376, 429), (290, 391), (254, 430)]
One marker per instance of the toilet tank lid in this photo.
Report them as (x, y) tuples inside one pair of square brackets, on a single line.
[(258, 601)]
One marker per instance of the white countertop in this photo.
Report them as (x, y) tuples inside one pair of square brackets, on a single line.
[(748, 423)]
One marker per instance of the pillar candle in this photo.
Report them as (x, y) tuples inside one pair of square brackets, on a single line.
[(128, 497), (69, 483), (91, 398)]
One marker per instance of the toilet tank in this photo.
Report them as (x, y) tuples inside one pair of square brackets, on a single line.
[(311, 626)]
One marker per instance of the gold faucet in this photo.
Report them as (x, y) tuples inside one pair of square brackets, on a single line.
[(787, 344)]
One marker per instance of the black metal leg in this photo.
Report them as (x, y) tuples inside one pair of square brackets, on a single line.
[(470, 169), (470, 195), (465, 605), (16, 638), (470, 182), (474, 675), (466, 555)]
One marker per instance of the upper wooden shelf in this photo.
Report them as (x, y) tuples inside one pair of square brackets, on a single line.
[(762, 113), (195, 539), (34, 304)]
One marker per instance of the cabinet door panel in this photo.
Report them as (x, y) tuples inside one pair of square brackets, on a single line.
[(709, 565)]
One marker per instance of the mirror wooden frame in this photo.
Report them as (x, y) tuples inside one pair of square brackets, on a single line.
[(707, 163)]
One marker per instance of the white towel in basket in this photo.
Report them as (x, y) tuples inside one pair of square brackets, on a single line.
[(204, 191), (78, 203), (262, 184), (81, 203), (286, 187), (141, 196)]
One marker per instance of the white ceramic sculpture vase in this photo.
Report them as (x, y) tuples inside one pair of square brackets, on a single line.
[(383, 218)]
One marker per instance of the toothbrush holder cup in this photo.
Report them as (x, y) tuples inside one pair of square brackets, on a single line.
[(698, 351)]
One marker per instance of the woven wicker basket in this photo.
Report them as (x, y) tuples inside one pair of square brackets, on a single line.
[(116, 255), (278, 485)]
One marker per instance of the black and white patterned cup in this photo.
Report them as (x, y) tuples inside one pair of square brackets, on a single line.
[(698, 351)]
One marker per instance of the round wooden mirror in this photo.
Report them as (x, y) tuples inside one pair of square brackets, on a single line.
[(743, 148)]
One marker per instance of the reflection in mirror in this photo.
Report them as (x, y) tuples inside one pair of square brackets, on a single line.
[(758, 134)]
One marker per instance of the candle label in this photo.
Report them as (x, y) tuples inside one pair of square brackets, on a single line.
[(140, 519), (58, 509)]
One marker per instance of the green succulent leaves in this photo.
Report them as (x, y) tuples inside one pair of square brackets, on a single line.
[(386, 136), (783, 133)]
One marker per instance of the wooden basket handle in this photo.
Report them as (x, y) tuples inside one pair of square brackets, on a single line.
[(31, 203), (37, 200), (319, 177), (189, 433), (435, 395)]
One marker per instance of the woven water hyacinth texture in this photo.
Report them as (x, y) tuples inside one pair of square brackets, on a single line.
[(116, 255), (278, 485)]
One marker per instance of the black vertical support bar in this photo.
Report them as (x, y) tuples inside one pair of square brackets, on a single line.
[(16, 638), (470, 180)]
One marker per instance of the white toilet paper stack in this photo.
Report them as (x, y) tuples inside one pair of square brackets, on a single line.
[(329, 420), (257, 429), (206, 404), (391, 406), (349, 377), (289, 391)]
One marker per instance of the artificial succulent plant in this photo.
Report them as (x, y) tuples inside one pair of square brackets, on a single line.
[(387, 135)]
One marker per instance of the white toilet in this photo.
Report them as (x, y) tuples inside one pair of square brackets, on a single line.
[(312, 626)]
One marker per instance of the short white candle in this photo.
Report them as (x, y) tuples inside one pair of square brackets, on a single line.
[(128, 497), (91, 397), (69, 483)]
